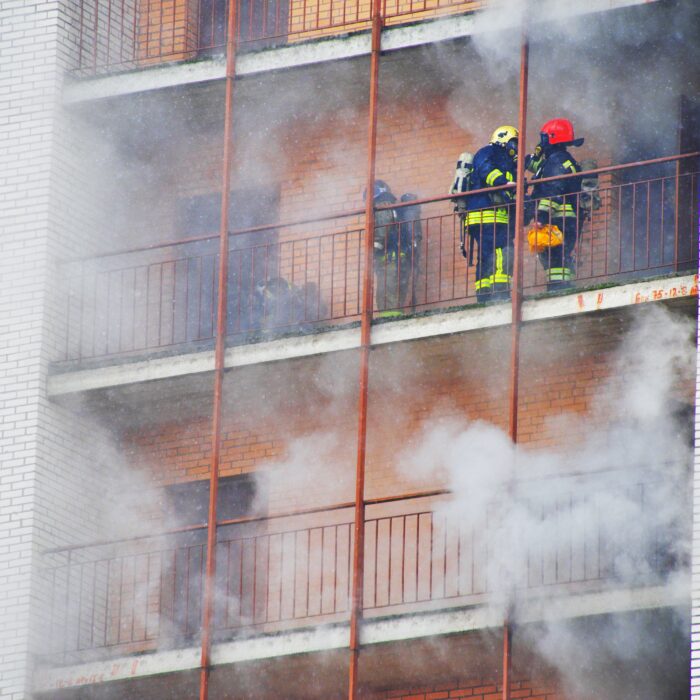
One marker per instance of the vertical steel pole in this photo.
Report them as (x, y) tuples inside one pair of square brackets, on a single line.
[(516, 318), (210, 571), (359, 526), (517, 292)]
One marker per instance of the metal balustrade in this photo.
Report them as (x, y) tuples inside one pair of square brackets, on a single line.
[(556, 535), (163, 299), (114, 35)]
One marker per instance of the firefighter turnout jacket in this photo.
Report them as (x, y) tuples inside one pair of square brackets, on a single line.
[(555, 199), (492, 167)]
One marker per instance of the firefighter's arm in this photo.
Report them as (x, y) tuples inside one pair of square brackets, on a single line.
[(496, 177)]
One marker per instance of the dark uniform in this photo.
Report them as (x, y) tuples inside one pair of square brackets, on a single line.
[(487, 221), (389, 263), (410, 238), (556, 203)]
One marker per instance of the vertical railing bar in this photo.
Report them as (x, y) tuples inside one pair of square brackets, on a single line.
[(281, 573), (266, 615), (418, 519), (444, 561), (94, 603), (96, 30), (335, 569), (255, 578), (388, 573), (107, 598), (648, 226), (403, 560), (432, 552), (634, 226), (323, 549), (160, 31), (135, 33), (121, 592), (663, 223), (308, 567), (109, 30), (294, 576), (80, 607), (80, 33), (376, 559)]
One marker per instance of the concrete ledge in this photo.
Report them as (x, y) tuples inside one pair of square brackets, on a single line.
[(306, 53), (401, 330), (375, 630)]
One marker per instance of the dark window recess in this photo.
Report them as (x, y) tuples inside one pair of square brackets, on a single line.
[(184, 561), (190, 501), (253, 257), (200, 215), (260, 22)]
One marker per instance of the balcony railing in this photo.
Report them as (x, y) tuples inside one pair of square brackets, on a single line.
[(279, 573), (164, 298), (126, 34)]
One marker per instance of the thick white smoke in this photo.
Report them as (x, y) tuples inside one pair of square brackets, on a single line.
[(620, 494)]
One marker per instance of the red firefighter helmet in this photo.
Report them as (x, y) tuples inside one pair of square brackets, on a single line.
[(559, 131)]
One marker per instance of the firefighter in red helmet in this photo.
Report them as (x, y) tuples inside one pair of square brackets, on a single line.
[(556, 203)]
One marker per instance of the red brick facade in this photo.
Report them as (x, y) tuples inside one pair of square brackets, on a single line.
[(476, 690)]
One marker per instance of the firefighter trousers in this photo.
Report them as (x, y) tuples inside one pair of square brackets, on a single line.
[(494, 264), (559, 262), (393, 275)]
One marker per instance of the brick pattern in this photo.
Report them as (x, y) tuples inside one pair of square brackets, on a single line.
[(167, 29), (52, 464), (483, 689), (446, 383), (322, 18)]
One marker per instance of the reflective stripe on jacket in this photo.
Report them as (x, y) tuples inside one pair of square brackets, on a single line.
[(557, 199)]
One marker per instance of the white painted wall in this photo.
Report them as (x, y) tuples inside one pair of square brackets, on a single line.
[(49, 458)]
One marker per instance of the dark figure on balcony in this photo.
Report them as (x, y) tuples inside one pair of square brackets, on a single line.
[(488, 216), (389, 259), (556, 204), (410, 240)]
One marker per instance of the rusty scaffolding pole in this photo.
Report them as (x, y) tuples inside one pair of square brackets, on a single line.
[(220, 347), (367, 306), (516, 316)]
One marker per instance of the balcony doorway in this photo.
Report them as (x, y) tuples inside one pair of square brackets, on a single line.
[(252, 256)]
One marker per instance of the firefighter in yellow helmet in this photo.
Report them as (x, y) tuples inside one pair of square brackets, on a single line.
[(488, 215)]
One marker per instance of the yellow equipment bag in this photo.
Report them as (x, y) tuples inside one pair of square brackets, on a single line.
[(543, 236)]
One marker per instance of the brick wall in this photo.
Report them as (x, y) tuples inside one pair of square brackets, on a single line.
[(483, 689), (411, 390), (167, 29)]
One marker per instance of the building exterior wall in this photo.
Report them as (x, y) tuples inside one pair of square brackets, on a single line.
[(58, 464), (484, 689), (52, 458)]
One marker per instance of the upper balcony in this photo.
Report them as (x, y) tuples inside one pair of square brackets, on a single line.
[(118, 35), (303, 280)]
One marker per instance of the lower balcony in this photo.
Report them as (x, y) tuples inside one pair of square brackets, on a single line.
[(562, 546)]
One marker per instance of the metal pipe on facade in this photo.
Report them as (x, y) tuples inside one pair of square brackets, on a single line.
[(210, 570), (359, 525), (516, 317)]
